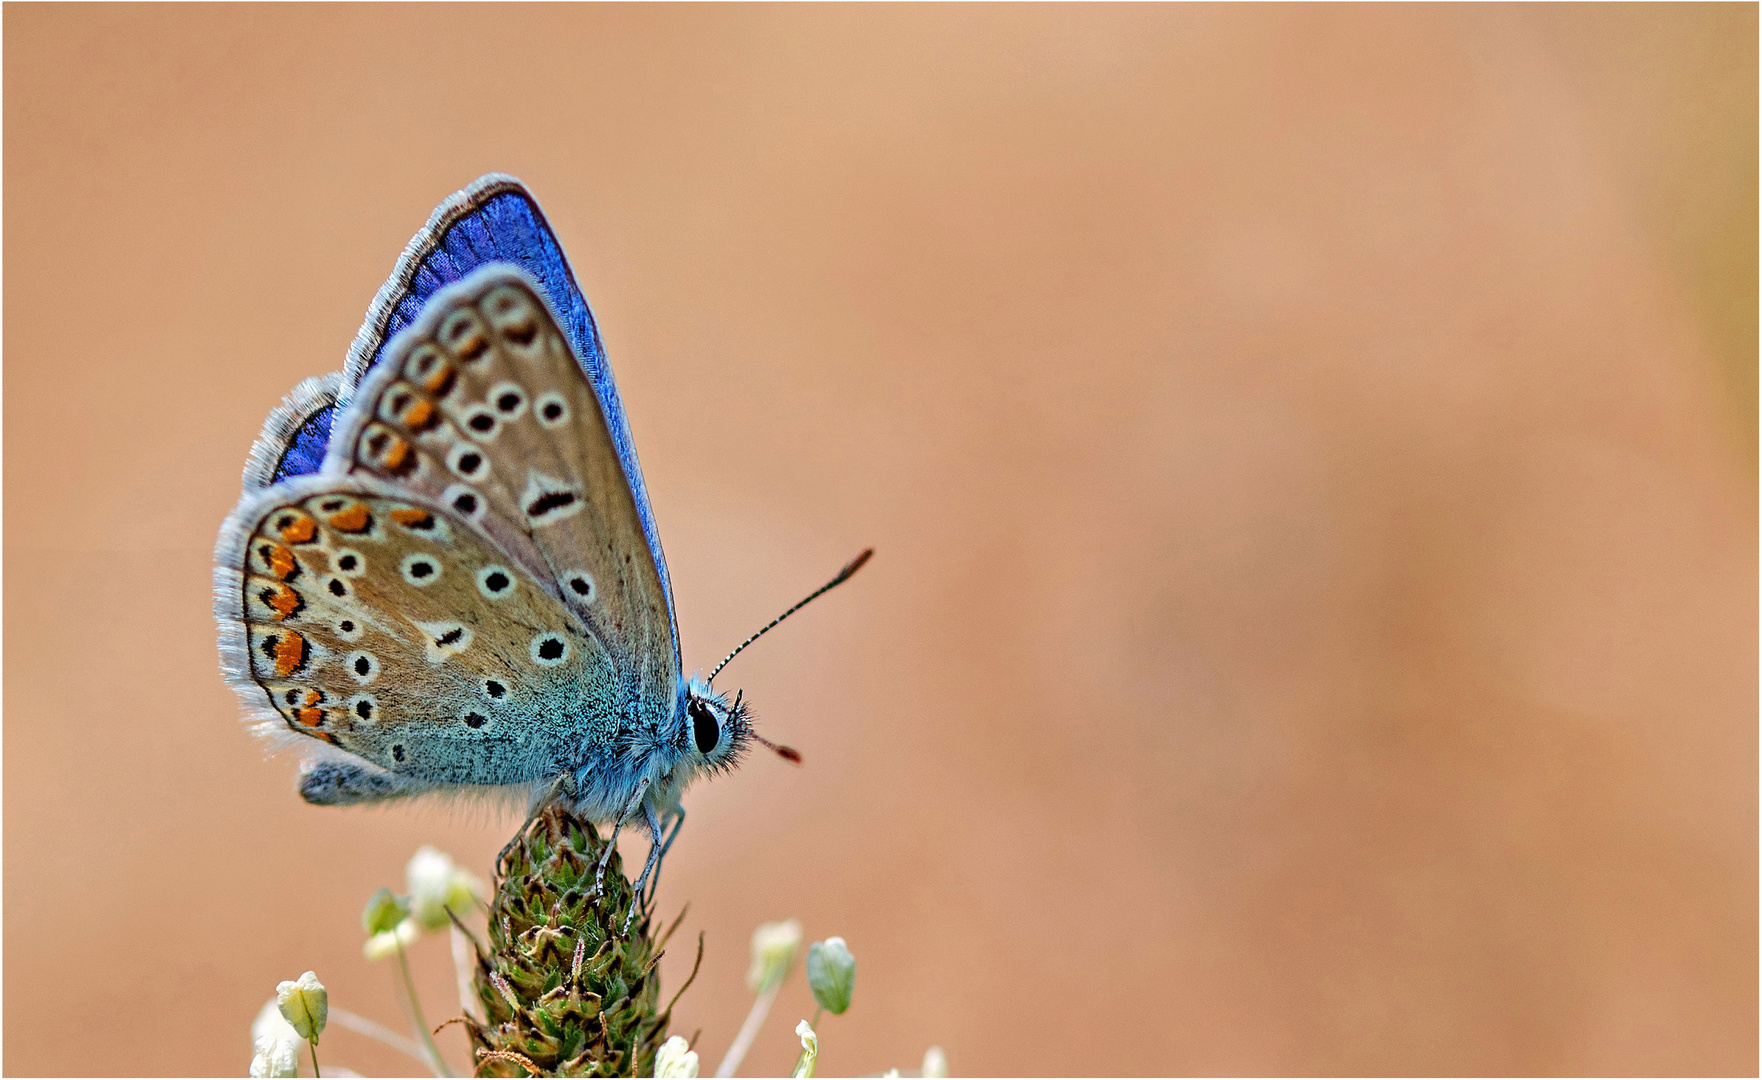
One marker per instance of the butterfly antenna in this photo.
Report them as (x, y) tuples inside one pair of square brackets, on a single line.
[(843, 576)]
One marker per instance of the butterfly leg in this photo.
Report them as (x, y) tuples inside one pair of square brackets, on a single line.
[(655, 882), (650, 869), (599, 872)]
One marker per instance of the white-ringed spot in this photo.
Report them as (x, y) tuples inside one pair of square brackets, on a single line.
[(549, 650), (421, 570), (445, 639), (474, 719), (467, 461), (551, 409), (482, 422), (337, 587), (495, 689), (509, 400), (463, 501), (548, 500), (363, 708), (348, 562), (363, 667), (495, 582), (348, 629), (578, 586)]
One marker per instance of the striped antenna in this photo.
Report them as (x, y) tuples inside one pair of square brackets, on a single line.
[(843, 576)]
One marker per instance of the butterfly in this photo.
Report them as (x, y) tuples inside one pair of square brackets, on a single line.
[(443, 574)]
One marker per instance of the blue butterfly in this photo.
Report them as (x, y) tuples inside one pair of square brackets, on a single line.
[(444, 571)]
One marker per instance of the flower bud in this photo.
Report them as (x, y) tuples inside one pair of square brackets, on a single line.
[(383, 912), (935, 1064), (675, 1060), (387, 942), (832, 971), (810, 1051), (305, 1004), (437, 885), (774, 945)]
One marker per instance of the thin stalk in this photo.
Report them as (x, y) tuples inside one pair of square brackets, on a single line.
[(463, 955), (360, 1025), (313, 1046), (440, 1067), (749, 1030)]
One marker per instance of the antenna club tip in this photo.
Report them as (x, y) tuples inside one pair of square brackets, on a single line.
[(857, 563), (789, 754)]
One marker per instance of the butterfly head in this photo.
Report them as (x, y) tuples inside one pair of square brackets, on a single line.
[(716, 730)]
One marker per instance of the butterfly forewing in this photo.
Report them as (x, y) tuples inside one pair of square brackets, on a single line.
[(481, 408), (381, 624)]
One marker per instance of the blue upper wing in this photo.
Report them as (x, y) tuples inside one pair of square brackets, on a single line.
[(494, 220)]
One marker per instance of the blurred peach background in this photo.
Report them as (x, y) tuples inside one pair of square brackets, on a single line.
[(1311, 454)]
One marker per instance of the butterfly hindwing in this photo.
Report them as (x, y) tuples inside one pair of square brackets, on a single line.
[(385, 626), (294, 437), (480, 407)]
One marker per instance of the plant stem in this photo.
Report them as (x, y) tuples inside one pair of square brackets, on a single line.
[(440, 1067), (749, 1030), (313, 1046), (360, 1025)]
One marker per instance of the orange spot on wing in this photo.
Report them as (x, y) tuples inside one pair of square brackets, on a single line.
[(290, 653), (398, 458), (279, 560), (301, 530), (439, 381), (420, 416), (353, 520), (415, 519), (283, 600), (309, 716)]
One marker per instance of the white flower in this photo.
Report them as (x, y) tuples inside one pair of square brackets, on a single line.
[(275, 1057), (386, 942), (276, 1043), (436, 884), (810, 1051), (305, 1004), (935, 1064), (675, 1060), (774, 945)]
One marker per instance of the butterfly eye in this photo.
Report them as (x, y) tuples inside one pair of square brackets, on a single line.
[(703, 727)]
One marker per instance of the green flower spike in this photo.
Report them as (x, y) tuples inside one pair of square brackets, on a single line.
[(563, 991)]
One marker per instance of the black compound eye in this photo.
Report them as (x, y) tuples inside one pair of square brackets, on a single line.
[(703, 727)]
